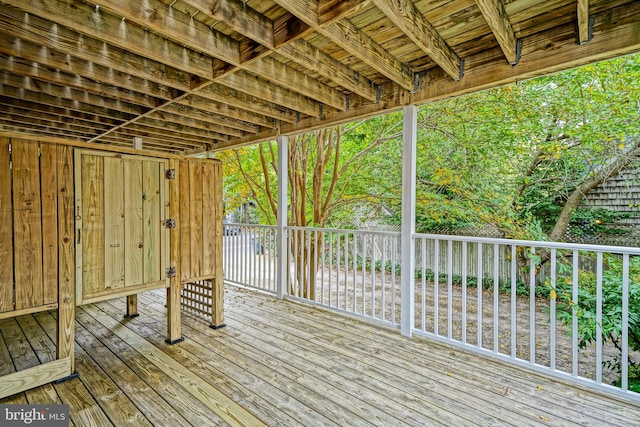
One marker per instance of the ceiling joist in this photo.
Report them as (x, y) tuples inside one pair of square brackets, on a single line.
[(406, 16), (497, 19), (190, 76)]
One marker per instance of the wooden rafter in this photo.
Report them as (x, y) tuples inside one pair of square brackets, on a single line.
[(19, 68), (406, 16), (63, 49), (104, 26), (584, 26), (260, 29), (195, 75), (255, 86), (313, 58), (349, 37), (496, 16)]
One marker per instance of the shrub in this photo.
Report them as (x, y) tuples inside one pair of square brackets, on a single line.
[(585, 309)]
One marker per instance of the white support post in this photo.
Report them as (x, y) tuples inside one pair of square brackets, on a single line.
[(408, 250), (137, 143), (283, 203)]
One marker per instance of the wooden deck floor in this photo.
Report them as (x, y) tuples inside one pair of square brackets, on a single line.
[(281, 363)]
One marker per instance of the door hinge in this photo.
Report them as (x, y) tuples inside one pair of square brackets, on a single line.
[(170, 223), (170, 272), (170, 174)]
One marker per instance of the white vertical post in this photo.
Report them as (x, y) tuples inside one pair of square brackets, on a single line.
[(409, 135), (137, 143), (283, 202)]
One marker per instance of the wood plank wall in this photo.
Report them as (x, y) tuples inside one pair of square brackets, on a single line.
[(200, 221), (33, 189), (200, 228)]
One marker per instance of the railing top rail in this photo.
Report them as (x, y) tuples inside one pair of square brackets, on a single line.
[(337, 230), (533, 243), (245, 225)]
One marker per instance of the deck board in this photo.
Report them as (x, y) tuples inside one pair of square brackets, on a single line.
[(284, 363)]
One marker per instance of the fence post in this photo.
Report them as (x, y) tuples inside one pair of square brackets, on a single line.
[(407, 279), (283, 202)]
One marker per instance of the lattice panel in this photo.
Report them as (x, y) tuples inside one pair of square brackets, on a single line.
[(196, 298)]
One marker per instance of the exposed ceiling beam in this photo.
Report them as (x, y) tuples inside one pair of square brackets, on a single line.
[(584, 24), (406, 16), (350, 38), (255, 26), (45, 88), (236, 15), (48, 126), (204, 105), (91, 127), (69, 44), (259, 88), (198, 118), (229, 96), (59, 111), (496, 16), (54, 101), (115, 31), (297, 81), (45, 57), (177, 26), (330, 11), (313, 58), (19, 68), (188, 132)]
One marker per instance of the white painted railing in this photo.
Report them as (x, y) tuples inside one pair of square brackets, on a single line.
[(580, 289), (346, 270), (537, 298), (249, 256)]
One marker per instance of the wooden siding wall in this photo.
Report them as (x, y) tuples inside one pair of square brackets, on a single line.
[(620, 193), (36, 190)]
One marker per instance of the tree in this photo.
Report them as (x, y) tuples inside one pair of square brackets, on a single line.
[(522, 157), (328, 172)]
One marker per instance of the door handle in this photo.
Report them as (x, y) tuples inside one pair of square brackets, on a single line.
[(79, 236)]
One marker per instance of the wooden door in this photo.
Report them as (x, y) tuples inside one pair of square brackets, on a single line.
[(121, 241)]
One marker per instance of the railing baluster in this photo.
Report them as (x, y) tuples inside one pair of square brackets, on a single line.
[(532, 306), (514, 292), (625, 324), (355, 267), (436, 282), (464, 292), (496, 291), (599, 317), (423, 297), (449, 289), (480, 290), (552, 309), (383, 298), (574, 311)]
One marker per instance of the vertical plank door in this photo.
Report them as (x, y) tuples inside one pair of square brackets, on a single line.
[(122, 241)]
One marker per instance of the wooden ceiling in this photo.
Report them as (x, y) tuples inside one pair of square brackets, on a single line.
[(189, 76)]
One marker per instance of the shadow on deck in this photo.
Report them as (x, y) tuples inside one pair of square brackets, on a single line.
[(284, 363)]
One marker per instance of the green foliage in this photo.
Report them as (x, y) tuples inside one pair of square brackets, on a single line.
[(509, 156), (586, 306)]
